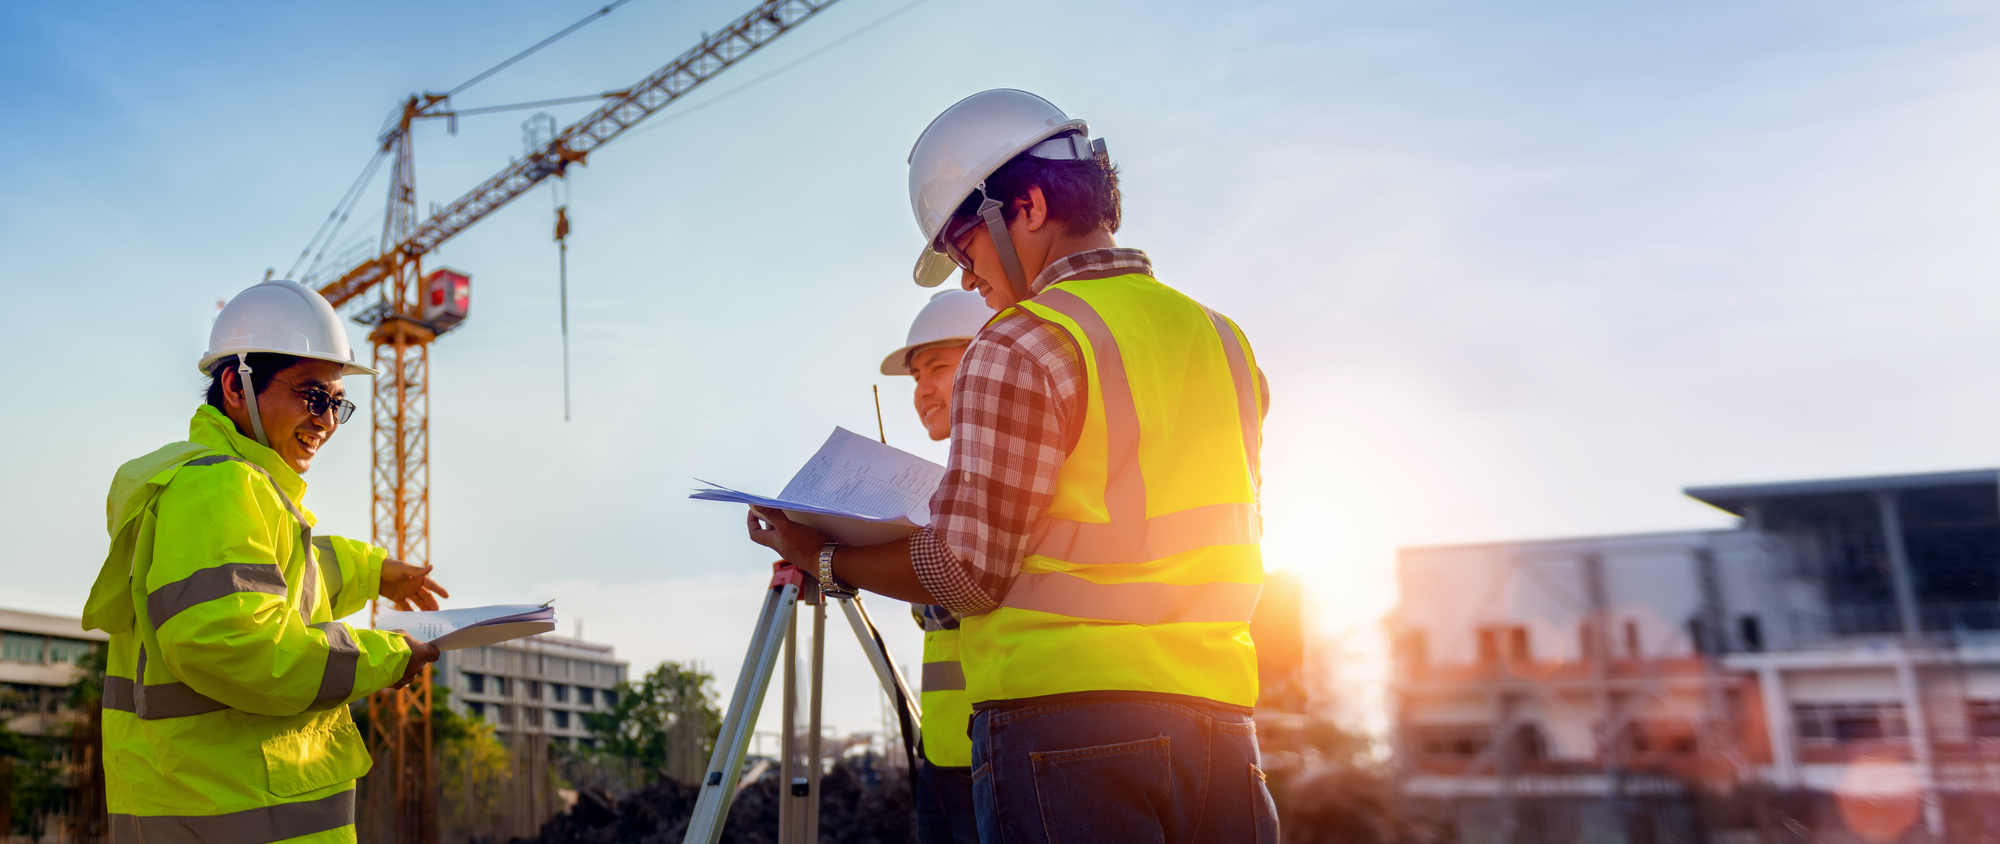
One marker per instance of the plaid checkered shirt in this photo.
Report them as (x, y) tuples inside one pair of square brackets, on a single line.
[(1017, 405)]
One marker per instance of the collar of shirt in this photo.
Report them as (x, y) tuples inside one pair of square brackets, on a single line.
[(1092, 261)]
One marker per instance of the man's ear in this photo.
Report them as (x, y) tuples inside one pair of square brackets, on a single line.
[(1032, 210), (232, 388)]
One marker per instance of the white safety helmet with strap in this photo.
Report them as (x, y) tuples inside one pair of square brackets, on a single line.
[(951, 317), (277, 317), (963, 146)]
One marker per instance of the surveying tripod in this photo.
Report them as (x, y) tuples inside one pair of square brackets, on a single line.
[(798, 801)]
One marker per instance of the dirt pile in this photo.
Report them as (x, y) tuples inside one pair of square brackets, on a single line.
[(851, 812)]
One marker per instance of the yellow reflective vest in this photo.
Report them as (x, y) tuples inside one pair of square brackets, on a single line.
[(224, 700), (947, 707), (1143, 573)]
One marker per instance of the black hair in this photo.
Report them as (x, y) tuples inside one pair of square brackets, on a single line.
[(1082, 195), (264, 366)]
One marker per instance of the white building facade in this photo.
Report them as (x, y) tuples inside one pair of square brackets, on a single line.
[(1839, 648), (538, 686)]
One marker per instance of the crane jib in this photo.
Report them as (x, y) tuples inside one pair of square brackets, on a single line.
[(716, 53)]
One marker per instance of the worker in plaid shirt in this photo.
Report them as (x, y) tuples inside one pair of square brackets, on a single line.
[(1098, 540)]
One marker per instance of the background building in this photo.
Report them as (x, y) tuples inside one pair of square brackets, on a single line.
[(38, 662), (538, 686), (1832, 663)]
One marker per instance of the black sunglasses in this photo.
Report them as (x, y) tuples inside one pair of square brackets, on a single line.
[(319, 401), (955, 231)]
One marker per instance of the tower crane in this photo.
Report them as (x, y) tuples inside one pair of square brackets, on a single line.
[(404, 322)]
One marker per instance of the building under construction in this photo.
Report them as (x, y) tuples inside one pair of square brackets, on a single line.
[(1827, 670)]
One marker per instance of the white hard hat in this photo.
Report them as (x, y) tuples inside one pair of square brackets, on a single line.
[(964, 145), (952, 316), (281, 317)]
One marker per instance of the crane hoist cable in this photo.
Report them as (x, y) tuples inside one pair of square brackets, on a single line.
[(339, 214), (543, 43)]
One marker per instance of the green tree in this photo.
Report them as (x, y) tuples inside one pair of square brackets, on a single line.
[(666, 723)]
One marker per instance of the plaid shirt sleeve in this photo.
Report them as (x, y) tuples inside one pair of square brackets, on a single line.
[(1019, 386)]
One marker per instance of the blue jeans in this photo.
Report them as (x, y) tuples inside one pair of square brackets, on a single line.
[(944, 805), (1121, 770)]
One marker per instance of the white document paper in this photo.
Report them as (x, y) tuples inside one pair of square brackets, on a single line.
[(855, 490), (451, 630)]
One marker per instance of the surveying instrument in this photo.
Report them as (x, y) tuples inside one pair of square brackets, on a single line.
[(798, 802)]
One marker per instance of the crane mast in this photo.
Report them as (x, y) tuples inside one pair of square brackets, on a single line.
[(400, 720)]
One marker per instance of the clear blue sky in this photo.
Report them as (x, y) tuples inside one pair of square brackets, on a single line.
[(1513, 269)]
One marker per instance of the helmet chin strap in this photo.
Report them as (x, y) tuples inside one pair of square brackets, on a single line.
[(996, 227), (250, 398)]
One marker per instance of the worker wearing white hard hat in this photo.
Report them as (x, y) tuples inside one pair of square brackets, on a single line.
[(1097, 528), (226, 690), (942, 784)]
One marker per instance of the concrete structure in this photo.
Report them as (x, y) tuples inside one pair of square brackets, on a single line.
[(1842, 640), (38, 662), (538, 686)]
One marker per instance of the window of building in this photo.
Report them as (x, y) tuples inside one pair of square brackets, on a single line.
[(560, 691), (477, 709), (534, 714), (1632, 639), (585, 695), (500, 686), (1983, 718), (20, 647), (1517, 645), (475, 683), (1841, 723), (71, 651), (1454, 741), (610, 698), (503, 715), (1750, 632), (562, 719), (1662, 737), (534, 689), (1489, 647)]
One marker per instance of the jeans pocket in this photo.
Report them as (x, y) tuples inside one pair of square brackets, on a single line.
[(1263, 810), (1111, 792)]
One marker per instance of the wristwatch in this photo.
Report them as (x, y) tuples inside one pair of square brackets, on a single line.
[(827, 584)]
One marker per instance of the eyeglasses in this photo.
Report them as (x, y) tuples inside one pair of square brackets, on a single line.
[(319, 401), (954, 232)]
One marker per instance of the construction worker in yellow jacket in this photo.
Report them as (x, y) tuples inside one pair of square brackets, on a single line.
[(1096, 531), (943, 782), (225, 699)]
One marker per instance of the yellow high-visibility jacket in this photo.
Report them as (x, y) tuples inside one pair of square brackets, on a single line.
[(947, 707), (1144, 571), (224, 699)]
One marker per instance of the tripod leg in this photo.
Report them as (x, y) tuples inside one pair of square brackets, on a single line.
[(789, 822), (908, 708), (718, 785), (812, 741)]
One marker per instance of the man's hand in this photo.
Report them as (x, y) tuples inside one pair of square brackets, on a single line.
[(798, 544), (422, 653), (406, 584)]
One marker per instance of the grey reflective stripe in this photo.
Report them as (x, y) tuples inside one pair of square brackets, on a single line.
[(251, 826), (342, 655), (323, 550), (1134, 603), (309, 587), (1157, 538), (118, 694), (210, 460), (1125, 486), (944, 677), (212, 583), (1246, 392), (168, 700)]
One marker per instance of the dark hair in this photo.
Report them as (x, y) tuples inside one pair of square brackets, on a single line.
[(1082, 195), (264, 366)]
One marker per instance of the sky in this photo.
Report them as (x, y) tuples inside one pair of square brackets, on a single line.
[(1512, 270)]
